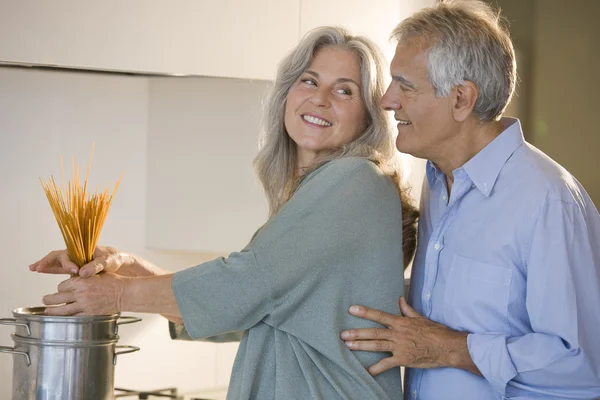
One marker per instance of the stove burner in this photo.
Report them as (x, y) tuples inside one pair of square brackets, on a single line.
[(169, 393)]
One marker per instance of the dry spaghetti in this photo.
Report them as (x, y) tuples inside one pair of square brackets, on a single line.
[(80, 215)]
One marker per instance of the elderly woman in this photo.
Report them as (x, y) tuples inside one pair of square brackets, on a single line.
[(339, 233)]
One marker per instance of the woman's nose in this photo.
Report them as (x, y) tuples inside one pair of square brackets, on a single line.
[(320, 98)]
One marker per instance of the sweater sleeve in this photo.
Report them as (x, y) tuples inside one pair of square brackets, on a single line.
[(319, 224), (178, 332)]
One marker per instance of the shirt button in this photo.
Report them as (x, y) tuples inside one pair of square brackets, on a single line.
[(444, 197), (428, 295), (437, 246), (414, 394)]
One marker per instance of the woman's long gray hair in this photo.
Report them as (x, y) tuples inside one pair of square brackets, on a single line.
[(276, 162)]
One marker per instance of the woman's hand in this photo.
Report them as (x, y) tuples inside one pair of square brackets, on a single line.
[(56, 262), (109, 293), (100, 294), (106, 259)]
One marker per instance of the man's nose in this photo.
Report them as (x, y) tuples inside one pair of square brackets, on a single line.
[(389, 101)]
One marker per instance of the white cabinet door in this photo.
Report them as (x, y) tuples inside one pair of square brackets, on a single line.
[(228, 38), (203, 136), (372, 18), (375, 19)]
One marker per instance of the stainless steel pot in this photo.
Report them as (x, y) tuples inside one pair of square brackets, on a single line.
[(66, 358), (31, 322), (76, 370)]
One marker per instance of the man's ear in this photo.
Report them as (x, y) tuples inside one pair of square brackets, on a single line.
[(464, 97)]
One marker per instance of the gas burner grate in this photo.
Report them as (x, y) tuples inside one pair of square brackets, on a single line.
[(169, 393)]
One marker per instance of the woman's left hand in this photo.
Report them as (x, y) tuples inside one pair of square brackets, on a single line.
[(100, 294)]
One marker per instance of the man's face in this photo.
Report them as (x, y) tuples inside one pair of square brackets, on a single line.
[(425, 122)]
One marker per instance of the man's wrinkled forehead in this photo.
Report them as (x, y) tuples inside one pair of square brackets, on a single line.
[(410, 61)]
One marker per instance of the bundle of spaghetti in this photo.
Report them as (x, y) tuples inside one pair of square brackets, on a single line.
[(80, 215)]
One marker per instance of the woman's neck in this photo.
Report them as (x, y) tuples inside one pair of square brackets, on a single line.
[(304, 160)]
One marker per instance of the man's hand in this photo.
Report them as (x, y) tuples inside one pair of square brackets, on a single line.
[(413, 340)]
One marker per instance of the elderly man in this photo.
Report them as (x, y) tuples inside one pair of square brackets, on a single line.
[(505, 288)]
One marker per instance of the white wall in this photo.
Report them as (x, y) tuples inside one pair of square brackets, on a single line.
[(43, 115), (202, 139)]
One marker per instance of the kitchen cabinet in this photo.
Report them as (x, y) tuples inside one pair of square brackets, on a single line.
[(375, 19), (224, 38)]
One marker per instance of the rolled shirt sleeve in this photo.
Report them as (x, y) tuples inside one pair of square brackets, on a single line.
[(561, 357)]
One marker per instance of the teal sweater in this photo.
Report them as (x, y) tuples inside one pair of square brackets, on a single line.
[(336, 242)]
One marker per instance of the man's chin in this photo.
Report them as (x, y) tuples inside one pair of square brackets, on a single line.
[(403, 147)]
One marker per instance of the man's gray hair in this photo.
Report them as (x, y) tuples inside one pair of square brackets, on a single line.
[(466, 42)]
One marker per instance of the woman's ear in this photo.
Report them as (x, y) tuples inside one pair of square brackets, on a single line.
[(465, 96)]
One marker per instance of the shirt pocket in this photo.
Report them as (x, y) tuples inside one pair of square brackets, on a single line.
[(476, 296)]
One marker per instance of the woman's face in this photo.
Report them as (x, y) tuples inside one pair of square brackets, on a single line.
[(324, 108)]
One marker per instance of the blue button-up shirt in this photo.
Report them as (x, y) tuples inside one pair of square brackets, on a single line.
[(512, 256)]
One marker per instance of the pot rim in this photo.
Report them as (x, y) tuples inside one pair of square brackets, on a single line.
[(37, 314)]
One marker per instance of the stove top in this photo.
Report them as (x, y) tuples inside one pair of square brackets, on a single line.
[(216, 394), (169, 393)]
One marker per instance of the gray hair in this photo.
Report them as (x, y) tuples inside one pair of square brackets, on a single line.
[(275, 163), (466, 42)]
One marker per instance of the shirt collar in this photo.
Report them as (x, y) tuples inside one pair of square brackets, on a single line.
[(432, 172), (485, 166), (483, 169)]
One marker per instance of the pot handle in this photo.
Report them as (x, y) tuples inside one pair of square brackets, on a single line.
[(12, 321), (131, 349), (128, 320), (10, 350)]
